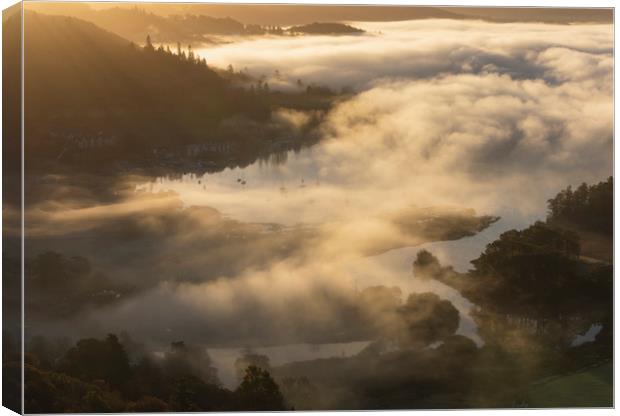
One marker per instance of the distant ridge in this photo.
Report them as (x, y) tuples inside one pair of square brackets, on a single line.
[(305, 14), (325, 29), (196, 22)]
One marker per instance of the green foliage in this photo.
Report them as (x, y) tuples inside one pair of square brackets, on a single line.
[(426, 264), (250, 359), (97, 102), (191, 394), (95, 376), (259, 392), (427, 319), (587, 207), (534, 273), (142, 96), (52, 392), (92, 359)]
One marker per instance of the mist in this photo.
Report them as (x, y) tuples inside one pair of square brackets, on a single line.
[(465, 123)]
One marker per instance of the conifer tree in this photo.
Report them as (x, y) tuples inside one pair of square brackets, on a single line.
[(149, 44)]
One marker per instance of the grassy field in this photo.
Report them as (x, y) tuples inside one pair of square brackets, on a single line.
[(592, 387)]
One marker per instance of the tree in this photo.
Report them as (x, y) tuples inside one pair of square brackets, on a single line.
[(258, 391), (186, 394), (191, 394), (149, 44), (299, 393), (190, 53), (534, 273), (427, 319), (53, 392), (189, 360), (93, 359), (586, 208), (251, 359), (426, 265)]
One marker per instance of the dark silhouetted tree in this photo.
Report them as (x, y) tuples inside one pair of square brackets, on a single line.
[(426, 265), (93, 359), (426, 319), (587, 208), (250, 359), (190, 53), (259, 392), (191, 394), (149, 44)]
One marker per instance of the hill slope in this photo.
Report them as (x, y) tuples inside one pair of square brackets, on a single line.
[(135, 23), (81, 80), (326, 29), (270, 14), (95, 101)]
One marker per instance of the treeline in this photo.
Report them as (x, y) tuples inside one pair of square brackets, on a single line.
[(198, 25), (97, 375), (535, 280), (587, 207), (92, 86), (534, 295), (180, 55), (133, 23), (326, 29)]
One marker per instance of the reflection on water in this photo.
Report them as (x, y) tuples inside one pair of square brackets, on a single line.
[(293, 189), (589, 336), (272, 190)]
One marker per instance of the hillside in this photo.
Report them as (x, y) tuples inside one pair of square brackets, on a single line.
[(77, 63), (204, 23), (287, 15), (82, 81), (96, 101), (536, 14), (326, 29), (135, 23)]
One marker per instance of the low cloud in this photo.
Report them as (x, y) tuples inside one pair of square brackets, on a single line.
[(418, 50), (496, 117)]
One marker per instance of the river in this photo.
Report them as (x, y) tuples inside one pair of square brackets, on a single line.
[(293, 191)]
